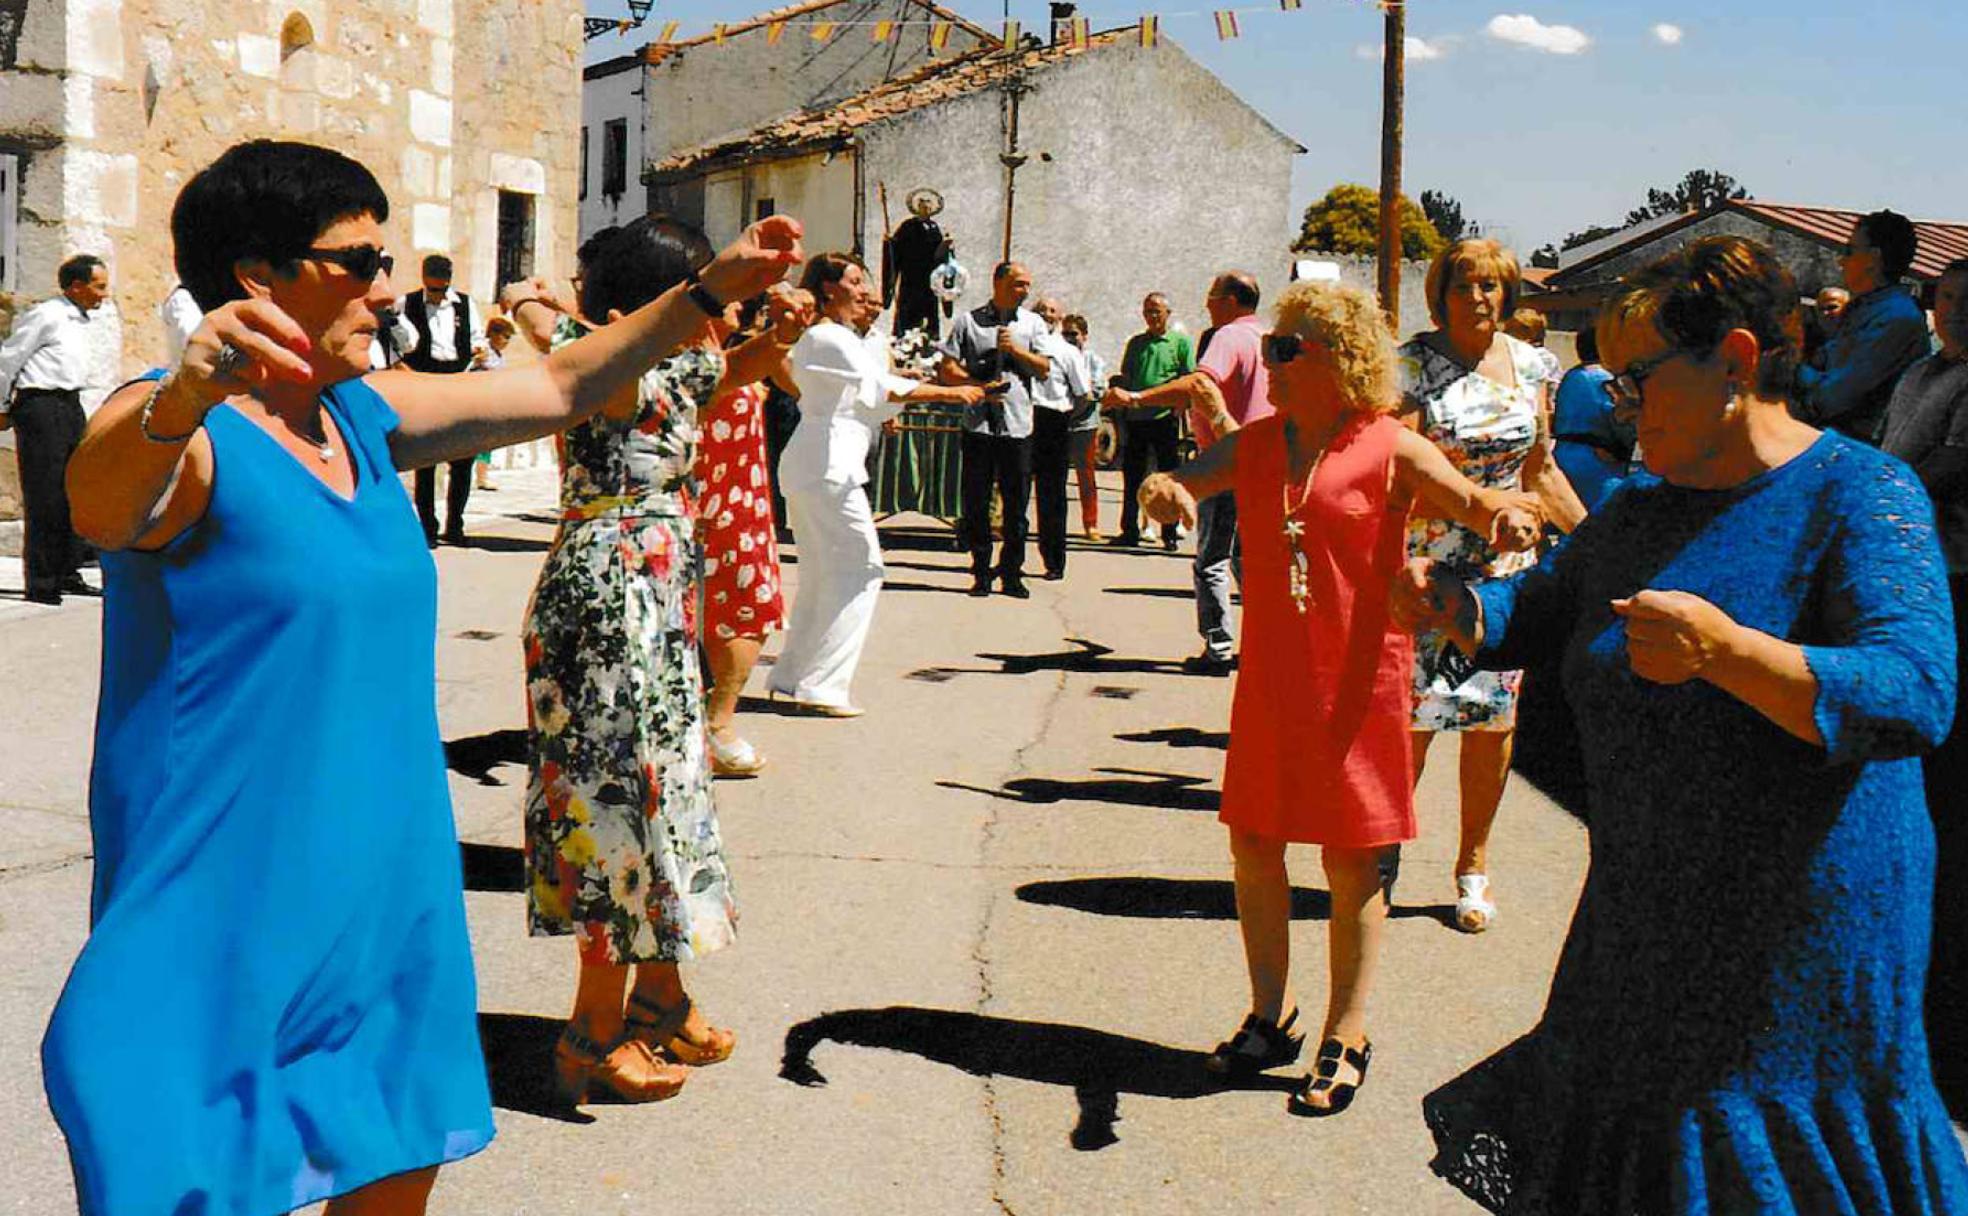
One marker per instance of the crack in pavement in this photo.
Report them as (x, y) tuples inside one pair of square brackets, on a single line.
[(31, 868)]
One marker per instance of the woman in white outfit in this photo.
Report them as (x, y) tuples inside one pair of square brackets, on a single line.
[(846, 388)]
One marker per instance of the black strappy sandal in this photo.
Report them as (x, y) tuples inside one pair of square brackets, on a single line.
[(1258, 1046), (1320, 1079)]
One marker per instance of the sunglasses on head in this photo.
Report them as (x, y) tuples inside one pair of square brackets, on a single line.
[(362, 261), (1282, 348)]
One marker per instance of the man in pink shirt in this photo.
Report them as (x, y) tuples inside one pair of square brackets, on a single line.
[(1227, 389)]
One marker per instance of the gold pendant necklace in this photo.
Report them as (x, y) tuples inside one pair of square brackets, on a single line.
[(1297, 576)]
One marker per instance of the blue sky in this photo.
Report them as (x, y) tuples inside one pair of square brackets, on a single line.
[(1853, 105)]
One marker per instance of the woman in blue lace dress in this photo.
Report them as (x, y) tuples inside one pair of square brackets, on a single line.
[(1757, 641)]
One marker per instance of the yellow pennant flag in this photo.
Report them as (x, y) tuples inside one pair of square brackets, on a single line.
[(823, 30), (1226, 25), (939, 36), (774, 32), (1011, 35), (882, 30), (1290, 5), (717, 33), (624, 26), (1151, 29), (1077, 34), (668, 31)]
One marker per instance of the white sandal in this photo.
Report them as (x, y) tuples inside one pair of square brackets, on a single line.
[(737, 758), (1473, 912)]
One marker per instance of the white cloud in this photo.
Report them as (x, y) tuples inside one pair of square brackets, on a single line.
[(1668, 35), (1418, 50), (1526, 30)]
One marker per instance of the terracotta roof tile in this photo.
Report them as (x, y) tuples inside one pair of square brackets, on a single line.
[(1941, 241)]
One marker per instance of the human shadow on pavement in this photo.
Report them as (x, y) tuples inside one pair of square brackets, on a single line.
[(492, 867), (1084, 656), (1164, 791), (905, 586), (919, 540), (1180, 736), (519, 1064), (1098, 1066), (1160, 593), (1188, 899), (475, 756), (504, 544)]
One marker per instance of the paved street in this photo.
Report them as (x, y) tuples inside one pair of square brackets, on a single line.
[(987, 928)]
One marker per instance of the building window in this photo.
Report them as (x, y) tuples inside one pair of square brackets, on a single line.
[(615, 157), (584, 163), (515, 237), (765, 207), (9, 211)]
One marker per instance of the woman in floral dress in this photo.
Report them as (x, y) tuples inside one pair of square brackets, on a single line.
[(1483, 398), (622, 847), (742, 603)]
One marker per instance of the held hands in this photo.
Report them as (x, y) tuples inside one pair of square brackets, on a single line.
[(755, 261), (790, 312), (269, 345), (1116, 398), (1674, 636), (968, 394), (1165, 500), (1426, 598), (1517, 524), (519, 291)]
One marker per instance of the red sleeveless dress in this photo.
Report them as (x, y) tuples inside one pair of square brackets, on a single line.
[(1319, 746)]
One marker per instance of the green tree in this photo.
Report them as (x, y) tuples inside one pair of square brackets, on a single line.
[(1347, 220), (1699, 190), (1445, 213)]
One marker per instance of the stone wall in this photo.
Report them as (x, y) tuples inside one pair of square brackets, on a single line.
[(1814, 263)]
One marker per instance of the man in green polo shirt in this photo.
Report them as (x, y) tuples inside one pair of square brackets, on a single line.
[(1153, 357)]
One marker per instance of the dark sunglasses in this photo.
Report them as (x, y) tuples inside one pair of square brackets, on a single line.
[(362, 261), (1282, 348), (1627, 387)]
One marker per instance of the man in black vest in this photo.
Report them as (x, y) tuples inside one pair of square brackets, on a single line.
[(448, 330)]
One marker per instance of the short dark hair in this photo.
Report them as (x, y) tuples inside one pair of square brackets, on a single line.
[(1003, 269), (1695, 295), (1893, 236), (1586, 343), (78, 269), (823, 270), (437, 266), (1076, 321), (591, 248), (264, 199), (1239, 287), (642, 261)]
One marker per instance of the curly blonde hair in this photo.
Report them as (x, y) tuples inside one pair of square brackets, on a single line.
[(1348, 323)]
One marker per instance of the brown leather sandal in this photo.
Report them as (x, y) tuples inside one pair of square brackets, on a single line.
[(628, 1068), (662, 1028)]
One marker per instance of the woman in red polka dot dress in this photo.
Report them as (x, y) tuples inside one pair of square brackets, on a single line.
[(741, 556)]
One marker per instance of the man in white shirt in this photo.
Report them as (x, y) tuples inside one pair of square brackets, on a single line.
[(42, 372), (994, 344), (448, 329), (1052, 441)]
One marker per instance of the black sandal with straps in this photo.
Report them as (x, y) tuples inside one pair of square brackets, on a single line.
[(1258, 1046), (1320, 1079)]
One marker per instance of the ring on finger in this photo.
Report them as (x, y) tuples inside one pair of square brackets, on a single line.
[(228, 361)]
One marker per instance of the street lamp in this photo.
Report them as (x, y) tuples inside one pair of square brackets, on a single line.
[(595, 27)]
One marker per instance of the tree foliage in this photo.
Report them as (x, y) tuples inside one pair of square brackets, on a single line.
[(1347, 220), (1445, 213), (1699, 190)]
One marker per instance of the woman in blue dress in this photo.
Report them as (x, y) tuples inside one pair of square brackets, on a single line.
[(1757, 642), (275, 1005)]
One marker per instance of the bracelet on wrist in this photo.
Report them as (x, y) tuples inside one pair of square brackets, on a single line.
[(701, 296), (150, 403)]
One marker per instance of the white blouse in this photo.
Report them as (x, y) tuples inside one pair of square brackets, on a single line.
[(846, 390)]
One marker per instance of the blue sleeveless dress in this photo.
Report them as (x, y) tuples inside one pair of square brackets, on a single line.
[(276, 1002)]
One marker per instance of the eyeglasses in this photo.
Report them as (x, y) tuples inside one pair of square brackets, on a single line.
[(362, 261), (1282, 348), (1627, 387)]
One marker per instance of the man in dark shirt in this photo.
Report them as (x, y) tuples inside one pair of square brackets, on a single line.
[(1880, 333)]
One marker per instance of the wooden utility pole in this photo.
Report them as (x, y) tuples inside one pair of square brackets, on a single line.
[(1393, 99)]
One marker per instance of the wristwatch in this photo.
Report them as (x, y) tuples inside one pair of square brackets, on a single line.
[(700, 295)]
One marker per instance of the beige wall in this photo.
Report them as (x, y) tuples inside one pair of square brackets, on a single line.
[(447, 101), (819, 190)]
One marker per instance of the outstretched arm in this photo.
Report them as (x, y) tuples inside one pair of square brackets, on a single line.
[(1422, 474), (1169, 498)]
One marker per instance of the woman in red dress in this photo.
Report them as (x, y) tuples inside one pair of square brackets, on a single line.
[(1319, 744), (742, 603)]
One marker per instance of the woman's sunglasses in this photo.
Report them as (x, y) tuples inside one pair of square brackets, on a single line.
[(1282, 348), (363, 261)]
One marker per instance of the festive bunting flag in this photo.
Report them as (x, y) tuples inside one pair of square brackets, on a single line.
[(1011, 35), (717, 33), (882, 30), (624, 26), (1290, 5), (774, 32), (1151, 29), (823, 30), (668, 31), (1226, 25), (1077, 33)]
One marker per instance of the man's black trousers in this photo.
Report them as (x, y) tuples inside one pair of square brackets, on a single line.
[(1052, 456), (1005, 462), (47, 427), (1154, 439)]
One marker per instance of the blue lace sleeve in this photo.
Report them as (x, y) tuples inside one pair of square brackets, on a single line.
[(1886, 680), (1528, 617)]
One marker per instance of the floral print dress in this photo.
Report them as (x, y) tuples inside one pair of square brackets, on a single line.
[(741, 546), (622, 844), (1487, 430)]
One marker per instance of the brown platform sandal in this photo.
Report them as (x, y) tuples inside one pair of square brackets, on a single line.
[(662, 1028), (628, 1068)]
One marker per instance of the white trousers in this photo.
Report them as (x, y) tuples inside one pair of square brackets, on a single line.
[(840, 574)]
